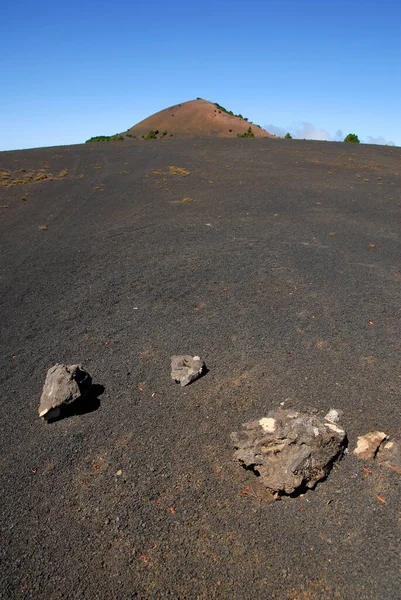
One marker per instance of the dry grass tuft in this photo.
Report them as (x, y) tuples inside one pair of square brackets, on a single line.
[(178, 171), (43, 227)]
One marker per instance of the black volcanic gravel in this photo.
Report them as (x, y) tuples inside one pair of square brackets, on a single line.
[(283, 273)]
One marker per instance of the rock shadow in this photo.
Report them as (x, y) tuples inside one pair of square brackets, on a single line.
[(81, 406)]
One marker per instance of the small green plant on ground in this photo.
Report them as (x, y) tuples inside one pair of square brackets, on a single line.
[(164, 133), (352, 138), (106, 138), (151, 135), (248, 134), (288, 136)]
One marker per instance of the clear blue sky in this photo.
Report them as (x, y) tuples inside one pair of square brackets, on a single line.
[(70, 70)]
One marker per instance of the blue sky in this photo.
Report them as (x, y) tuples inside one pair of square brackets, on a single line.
[(319, 69)]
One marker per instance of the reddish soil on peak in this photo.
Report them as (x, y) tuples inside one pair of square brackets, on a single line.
[(196, 118)]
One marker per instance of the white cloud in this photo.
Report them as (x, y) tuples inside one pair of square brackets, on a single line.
[(274, 130), (307, 131), (301, 131), (379, 140), (339, 136)]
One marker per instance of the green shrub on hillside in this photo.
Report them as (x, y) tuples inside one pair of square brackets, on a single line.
[(106, 138), (288, 136), (352, 138), (151, 135), (229, 112), (248, 134)]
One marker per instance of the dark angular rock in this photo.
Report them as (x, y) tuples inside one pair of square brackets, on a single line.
[(390, 456), (289, 449)]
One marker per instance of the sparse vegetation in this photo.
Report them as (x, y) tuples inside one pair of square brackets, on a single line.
[(23, 177), (288, 136), (248, 133), (229, 112), (352, 138), (106, 138), (152, 134), (178, 171), (230, 130)]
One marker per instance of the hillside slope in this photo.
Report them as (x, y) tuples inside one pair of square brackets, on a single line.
[(196, 118)]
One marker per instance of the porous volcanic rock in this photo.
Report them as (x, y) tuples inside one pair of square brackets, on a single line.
[(186, 368), (64, 384), (289, 449)]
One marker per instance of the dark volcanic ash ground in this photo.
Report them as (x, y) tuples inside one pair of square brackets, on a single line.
[(283, 274)]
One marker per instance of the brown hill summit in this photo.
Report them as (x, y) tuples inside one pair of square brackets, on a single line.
[(196, 118)]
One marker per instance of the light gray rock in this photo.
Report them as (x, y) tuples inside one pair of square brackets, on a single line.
[(186, 368), (64, 384), (289, 449), (334, 416), (368, 445)]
